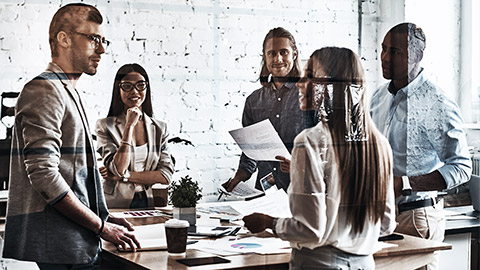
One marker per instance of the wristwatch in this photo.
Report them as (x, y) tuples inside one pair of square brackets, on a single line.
[(126, 176), (407, 189), (274, 224)]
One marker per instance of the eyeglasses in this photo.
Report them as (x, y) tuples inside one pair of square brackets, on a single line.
[(127, 87), (95, 40)]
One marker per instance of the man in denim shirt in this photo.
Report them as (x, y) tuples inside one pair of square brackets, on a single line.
[(424, 128), (277, 100)]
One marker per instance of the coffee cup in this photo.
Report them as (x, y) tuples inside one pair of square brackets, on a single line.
[(176, 232), (160, 195)]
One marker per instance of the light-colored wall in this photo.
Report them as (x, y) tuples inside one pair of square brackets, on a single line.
[(203, 58), (442, 54)]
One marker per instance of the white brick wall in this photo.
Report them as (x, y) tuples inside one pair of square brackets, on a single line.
[(202, 56)]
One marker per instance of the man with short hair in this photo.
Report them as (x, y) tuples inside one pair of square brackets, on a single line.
[(56, 209), (424, 128)]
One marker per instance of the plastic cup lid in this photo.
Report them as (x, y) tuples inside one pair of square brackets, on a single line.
[(175, 223)]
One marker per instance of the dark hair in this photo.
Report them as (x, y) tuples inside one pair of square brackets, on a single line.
[(116, 106), (364, 166), (280, 32), (416, 38), (68, 18)]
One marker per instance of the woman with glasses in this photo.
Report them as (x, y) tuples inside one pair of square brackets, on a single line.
[(132, 143), (341, 191)]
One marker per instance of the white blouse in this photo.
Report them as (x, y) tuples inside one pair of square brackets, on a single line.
[(141, 153), (314, 197)]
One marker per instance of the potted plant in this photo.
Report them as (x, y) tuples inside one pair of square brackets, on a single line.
[(184, 196)]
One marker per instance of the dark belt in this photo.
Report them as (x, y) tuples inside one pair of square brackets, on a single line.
[(416, 204), (140, 195)]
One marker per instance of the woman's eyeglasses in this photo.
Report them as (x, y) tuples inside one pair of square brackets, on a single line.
[(127, 87)]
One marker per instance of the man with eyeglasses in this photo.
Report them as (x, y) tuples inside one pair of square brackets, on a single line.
[(424, 128), (56, 207)]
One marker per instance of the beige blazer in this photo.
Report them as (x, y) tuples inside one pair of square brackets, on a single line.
[(109, 136), (52, 153)]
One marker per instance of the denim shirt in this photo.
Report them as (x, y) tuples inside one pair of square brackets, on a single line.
[(424, 128), (282, 108)]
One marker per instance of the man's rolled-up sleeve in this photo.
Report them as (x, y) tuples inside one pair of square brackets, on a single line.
[(40, 111), (451, 146)]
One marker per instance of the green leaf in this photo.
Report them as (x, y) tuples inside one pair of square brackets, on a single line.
[(185, 193)]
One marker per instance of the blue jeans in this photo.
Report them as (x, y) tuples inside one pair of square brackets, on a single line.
[(328, 257), (93, 265)]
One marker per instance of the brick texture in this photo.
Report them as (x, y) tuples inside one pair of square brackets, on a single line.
[(203, 58)]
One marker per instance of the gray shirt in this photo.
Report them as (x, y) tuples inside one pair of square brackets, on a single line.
[(282, 108)]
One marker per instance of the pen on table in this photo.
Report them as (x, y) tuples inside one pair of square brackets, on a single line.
[(234, 231)]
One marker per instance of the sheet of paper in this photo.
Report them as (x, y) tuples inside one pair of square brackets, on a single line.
[(452, 215), (230, 246), (274, 204), (460, 217), (210, 247), (3, 194), (260, 141), (241, 191), (151, 237), (218, 210)]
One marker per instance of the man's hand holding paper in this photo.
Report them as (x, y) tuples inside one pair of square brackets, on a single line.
[(260, 141)]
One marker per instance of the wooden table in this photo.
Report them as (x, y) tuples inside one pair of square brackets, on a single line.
[(411, 252)]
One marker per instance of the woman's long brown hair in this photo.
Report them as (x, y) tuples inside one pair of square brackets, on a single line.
[(364, 166)]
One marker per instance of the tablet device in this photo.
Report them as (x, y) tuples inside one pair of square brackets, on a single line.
[(391, 237), (267, 182), (202, 261)]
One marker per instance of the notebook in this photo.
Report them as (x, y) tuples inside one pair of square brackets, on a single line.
[(151, 237)]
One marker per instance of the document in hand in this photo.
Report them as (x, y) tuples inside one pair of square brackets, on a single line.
[(260, 141), (151, 237)]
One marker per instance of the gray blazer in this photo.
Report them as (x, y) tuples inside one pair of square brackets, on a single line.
[(52, 153), (109, 136)]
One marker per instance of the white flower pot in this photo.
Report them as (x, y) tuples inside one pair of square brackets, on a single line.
[(186, 213)]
